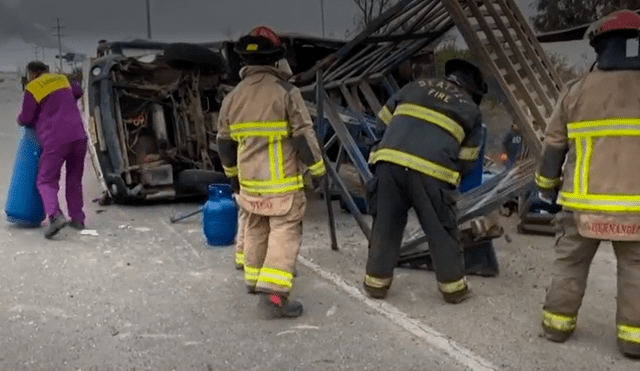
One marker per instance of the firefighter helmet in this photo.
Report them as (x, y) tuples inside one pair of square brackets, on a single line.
[(468, 75), (625, 23), (261, 46)]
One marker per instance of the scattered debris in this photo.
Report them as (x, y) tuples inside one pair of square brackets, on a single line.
[(89, 232)]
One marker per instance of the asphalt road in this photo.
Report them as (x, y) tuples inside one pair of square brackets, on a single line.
[(145, 294)]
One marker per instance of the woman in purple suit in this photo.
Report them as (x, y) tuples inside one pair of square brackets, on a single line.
[(50, 106)]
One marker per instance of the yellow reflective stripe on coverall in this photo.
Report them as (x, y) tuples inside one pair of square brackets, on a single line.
[(469, 153), (377, 283), (46, 84), (584, 133), (318, 168), (251, 274), (434, 117), (240, 258), (629, 333), (259, 129), (417, 163), (385, 115), (558, 321), (230, 172), (276, 277), (547, 183), (452, 287)]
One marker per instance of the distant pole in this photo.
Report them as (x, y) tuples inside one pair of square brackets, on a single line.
[(148, 21), (59, 43), (322, 13), (36, 50)]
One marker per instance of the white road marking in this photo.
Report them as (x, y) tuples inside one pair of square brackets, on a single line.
[(417, 328)]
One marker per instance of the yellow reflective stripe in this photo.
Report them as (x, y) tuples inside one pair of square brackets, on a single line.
[(451, 287), (376, 282), (600, 202), (433, 117), (418, 164), (546, 183), (46, 84), (251, 274), (586, 170), (273, 186), (577, 176), (385, 115), (276, 277), (280, 152), (469, 153), (230, 172), (273, 159), (558, 322), (605, 128), (629, 333), (259, 129), (318, 168), (240, 257)]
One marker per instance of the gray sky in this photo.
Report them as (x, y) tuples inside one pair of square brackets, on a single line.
[(27, 23)]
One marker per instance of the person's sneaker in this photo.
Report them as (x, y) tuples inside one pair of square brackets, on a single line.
[(55, 225), (278, 306), (76, 225), (630, 350), (555, 335), (251, 290), (374, 292), (457, 297)]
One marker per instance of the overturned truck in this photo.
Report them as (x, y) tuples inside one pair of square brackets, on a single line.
[(153, 108)]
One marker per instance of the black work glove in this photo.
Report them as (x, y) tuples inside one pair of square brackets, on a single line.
[(317, 182), (235, 184)]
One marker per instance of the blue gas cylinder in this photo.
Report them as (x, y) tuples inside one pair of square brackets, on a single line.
[(24, 204), (220, 216)]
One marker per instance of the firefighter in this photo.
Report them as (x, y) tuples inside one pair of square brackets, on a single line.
[(590, 158), (265, 133), (432, 135)]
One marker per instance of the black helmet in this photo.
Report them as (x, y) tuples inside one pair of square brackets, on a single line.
[(468, 75), (260, 46)]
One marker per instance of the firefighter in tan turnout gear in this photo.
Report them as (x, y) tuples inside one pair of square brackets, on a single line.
[(432, 134), (265, 138), (596, 130)]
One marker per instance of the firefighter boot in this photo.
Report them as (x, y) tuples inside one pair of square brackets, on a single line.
[(557, 336), (457, 297), (278, 306), (375, 292), (455, 292), (628, 349), (558, 327)]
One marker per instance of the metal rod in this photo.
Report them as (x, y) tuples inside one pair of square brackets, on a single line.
[(327, 179), (148, 20)]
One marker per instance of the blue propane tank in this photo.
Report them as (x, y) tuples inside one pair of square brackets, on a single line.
[(220, 216), (24, 204)]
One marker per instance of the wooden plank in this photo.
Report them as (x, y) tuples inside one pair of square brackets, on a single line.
[(542, 62), (524, 61), (370, 97)]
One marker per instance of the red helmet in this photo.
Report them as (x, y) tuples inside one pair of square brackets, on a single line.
[(262, 45), (621, 20)]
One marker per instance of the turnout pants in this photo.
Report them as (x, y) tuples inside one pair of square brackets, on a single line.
[(574, 254), (240, 241), (271, 245), (397, 190), (72, 156)]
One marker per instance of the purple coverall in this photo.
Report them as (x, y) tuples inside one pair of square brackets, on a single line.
[(50, 105)]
